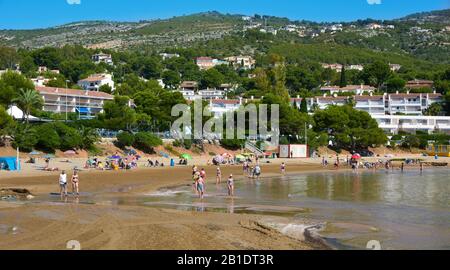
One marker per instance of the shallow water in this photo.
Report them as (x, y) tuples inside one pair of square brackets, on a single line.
[(406, 210), (400, 210)]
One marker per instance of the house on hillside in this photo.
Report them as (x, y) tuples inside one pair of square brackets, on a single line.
[(95, 81), (102, 58)]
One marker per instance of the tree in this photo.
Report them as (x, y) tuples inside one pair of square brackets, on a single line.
[(89, 136), (171, 79), (125, 139), (24, 137), (350, 129), (10, 83), (211, 78), (6, 123), (70, 137), (343, 82), (27, 101), (304, 106), (146, 142), (395, 83), (8, 57), (434, 109), (117, 114), (48, 139), (105, 88), (376, 73)]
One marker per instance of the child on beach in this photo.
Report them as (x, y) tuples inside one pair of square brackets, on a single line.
[(75, 183), (63, 183), (218, 175), (230, 183), (257, 172)]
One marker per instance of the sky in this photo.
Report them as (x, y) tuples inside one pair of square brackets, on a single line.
[(31, 14)]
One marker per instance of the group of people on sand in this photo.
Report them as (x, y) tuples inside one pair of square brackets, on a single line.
[(251, 171), (75, 181)]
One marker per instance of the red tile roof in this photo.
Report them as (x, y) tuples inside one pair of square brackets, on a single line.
[(225, 101), (72, 92)]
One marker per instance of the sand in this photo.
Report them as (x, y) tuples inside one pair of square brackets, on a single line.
[(110, 227)]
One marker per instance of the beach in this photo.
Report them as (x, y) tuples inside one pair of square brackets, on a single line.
[(40, 224)]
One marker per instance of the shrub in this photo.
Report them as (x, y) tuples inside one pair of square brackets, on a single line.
[(146, 142), (125, 139), (48, 139), (70, 137), (177, 143), (25, 138), (187, 144)]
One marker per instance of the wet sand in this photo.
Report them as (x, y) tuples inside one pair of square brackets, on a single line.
[(50, 225)]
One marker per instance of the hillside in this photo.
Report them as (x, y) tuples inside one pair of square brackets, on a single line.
[(425, 36)]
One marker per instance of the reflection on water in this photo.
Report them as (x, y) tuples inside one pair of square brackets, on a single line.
[(401, 210)]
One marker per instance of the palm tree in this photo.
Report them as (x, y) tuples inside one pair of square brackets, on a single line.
[(27, 100)]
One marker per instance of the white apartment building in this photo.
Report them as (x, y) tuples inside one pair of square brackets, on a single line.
[(355, 89), (94, 82), (394, 123), (102, 58), (211, 94), (40, 81), (388, 104), (61, 100), (219, 107)]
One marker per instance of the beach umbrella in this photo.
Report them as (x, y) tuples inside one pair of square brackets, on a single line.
[(218, 159), (70, 153), (186, 156), (239, 157), (114, 157), (356, 156), (35, 153), (49, 156)]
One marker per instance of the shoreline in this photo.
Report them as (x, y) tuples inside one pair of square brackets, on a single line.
[(49, 225)]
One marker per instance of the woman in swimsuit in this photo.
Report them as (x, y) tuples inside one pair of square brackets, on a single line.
[(75, 183), (230, 183), (218, 176)]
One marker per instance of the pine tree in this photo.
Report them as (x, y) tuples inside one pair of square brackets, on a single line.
[(304, 106), (343, 82)]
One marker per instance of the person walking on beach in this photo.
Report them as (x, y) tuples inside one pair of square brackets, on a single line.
[(257, 172), (63, 184), (283, 168), (218, 175), (402, 168), (201, 187), (421, 167), (230, 184), (203, 174), (75, 183), (195, 179)]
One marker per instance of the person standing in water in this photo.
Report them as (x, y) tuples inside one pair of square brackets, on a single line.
[(75, 183), (218, 175), (257, 172), (63, 183), (283, 168), (230, 184), (201, 187), (203, 174)]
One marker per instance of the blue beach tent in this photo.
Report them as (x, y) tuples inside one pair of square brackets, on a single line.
[(9, 163)]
